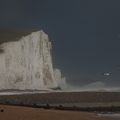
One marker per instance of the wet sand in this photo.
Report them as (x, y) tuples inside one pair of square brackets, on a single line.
[(26, 113)]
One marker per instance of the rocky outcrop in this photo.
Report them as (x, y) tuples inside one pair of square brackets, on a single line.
[(27, 63), (61, 81)]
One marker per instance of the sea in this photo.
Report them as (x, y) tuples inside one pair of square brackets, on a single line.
[(110, 116)]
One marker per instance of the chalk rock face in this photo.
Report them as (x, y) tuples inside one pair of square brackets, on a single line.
[(27, 63), (61, 81)]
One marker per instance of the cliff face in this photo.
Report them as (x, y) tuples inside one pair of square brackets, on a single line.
[(27, 63)]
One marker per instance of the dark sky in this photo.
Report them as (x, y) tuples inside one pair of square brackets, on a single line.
[(85, 34)]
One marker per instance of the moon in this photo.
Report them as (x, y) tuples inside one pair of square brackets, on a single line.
[(107, 74)]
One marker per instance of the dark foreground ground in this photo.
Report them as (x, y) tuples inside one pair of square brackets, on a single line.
[(27, 113), (78, 101)]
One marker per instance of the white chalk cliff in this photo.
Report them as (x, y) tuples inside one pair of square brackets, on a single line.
[(27, 63)]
